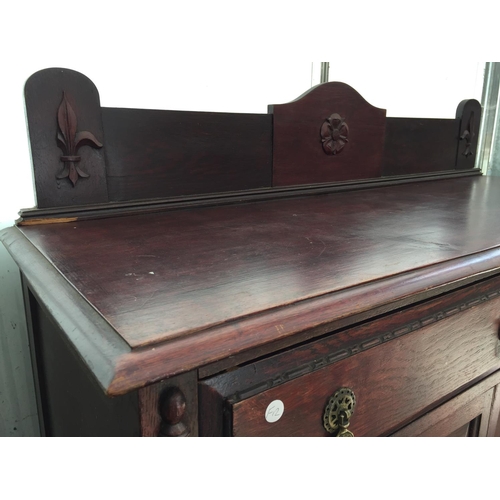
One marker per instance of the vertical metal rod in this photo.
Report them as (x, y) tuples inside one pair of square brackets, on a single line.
[(325, 70)]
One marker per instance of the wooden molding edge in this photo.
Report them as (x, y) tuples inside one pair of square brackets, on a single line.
[(120, 369), (96, 342), (225, 342), (32, 216), (321, 86), (376, 338)]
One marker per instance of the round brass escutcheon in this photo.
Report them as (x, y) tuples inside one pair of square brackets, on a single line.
[(339, 411)]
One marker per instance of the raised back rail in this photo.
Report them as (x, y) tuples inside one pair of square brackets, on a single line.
[(91, 161)]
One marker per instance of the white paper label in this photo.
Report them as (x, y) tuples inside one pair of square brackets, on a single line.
[(275, 410)]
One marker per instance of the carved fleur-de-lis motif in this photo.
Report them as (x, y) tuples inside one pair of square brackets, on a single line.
[(334, 133), (468, 136), (70, 141)]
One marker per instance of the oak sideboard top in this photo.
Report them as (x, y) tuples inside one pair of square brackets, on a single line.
[(193, 286)]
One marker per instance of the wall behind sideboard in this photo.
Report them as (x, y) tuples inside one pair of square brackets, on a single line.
[(152, 58)]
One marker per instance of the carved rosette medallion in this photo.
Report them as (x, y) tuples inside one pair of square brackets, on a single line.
[(334, 134), (70, 141)]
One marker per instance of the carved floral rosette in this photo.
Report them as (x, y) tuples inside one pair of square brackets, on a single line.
[(334, 134)]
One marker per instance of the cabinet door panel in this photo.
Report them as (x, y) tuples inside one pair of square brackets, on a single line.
[(463, 416), (461, 431)]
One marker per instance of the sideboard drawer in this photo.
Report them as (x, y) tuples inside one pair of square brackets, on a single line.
[(393, 382)]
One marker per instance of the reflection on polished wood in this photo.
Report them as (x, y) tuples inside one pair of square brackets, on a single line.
[(222, 263)]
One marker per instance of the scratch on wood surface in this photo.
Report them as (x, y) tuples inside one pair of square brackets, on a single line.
[(323, 249), (147, 299)]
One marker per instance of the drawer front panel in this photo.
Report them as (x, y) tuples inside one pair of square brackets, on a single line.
[(393, 382)]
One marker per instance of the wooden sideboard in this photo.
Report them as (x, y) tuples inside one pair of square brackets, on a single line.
[(320, 270)]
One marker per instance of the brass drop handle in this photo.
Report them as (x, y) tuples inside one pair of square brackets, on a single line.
[(338, 413)]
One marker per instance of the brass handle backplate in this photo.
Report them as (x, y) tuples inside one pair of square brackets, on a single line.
[(338, 413)]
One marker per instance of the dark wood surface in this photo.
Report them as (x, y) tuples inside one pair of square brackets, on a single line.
[(256, 274), (459, 412), (469, 115), (37, 216), (418, 145), (298, 154), (73, 404), (288, 364), (47, 120), (243, 254), (85, 156), (30, 304), (454, 419), (272, 372), (152, 396), (392, 382), (221, 263), (96, 342), (155, 154)]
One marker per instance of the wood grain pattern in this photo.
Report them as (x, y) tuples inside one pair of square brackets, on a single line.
[(43, 92), (393, 292), (473, 417), (392, 382), (494, 422), (153, 154), (223, 263), (298, 155), (465, 407), (448, 230), (272, 371)]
